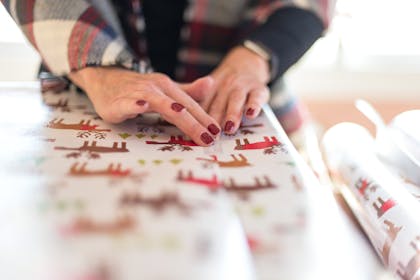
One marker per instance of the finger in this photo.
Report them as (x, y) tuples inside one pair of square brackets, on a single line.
[(200, 89), (234, 111), (256, 99), (177, 114), (217, 107), (196, 111), (126, 108)]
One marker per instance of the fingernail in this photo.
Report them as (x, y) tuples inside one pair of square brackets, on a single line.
[(206, 138), (177, 107), (229, 125), (141, 102), (213, 129), (250, 112)]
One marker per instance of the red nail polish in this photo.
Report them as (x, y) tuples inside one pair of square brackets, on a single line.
[(177, 107), (250, 112), (213, 129), (229, 125), (206, 138), (141, 102)]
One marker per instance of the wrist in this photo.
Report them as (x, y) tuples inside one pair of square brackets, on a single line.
[(254, 63), (84, 78), (265, 53)]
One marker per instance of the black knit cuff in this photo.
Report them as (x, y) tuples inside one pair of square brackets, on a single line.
[(288, 33)]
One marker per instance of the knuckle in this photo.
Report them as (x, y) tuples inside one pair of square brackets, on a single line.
[(237, 97), (194, 127), (215, 109), (163, 80), (234, 115), (264, 90), (264, 95), (230, 81), (146, 86), (234, 111)]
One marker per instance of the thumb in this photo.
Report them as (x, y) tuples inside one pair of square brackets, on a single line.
[(199, 89)]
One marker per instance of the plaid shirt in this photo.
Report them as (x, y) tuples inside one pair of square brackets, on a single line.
[(70, 35)]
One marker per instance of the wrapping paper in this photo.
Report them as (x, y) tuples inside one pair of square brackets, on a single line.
[(399, 145), (386, 206), (82, 199)]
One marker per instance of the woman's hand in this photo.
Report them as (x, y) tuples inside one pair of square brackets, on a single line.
[(119, 94), (239, 88)]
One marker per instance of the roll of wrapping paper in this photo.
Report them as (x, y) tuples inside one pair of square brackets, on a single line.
[(379, 199)]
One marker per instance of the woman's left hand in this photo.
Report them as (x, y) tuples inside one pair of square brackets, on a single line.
[(240, 87)]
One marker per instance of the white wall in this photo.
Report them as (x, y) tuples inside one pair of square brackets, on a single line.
[(18, 60), (372, 50)]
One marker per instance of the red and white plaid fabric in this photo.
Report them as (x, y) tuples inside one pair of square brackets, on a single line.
[(71, 35)]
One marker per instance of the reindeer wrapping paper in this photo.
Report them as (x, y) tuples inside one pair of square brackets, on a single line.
[(81, 199), (386, 206)]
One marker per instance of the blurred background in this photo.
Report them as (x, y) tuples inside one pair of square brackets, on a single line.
[(371, 51)]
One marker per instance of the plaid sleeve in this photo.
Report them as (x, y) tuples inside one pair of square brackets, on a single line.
[(70, 35)]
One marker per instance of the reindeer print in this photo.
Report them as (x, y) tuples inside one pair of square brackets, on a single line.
[(240, 161), (245, 129), (179, 141), (212, 184), (158, 204), (409, 270), (244, 190), (93, 149), (392, 231), (362, 185), (98, 149), (85, 225), (110, 171), (383, 206), (267, 143), (82, 125)]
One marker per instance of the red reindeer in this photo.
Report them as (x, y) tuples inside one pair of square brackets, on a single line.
[(383, 206), (213, 183)]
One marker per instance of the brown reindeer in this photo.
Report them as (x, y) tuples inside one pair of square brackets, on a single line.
[(111, 171), (158, 204), (82, 125), (392, 232), (242, 161), (267, 143), (244, 190), (174, 141), (410, 269), (98, 149), (84, 225)]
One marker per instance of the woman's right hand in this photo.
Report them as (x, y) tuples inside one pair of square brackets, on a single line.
[(119, 94)]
